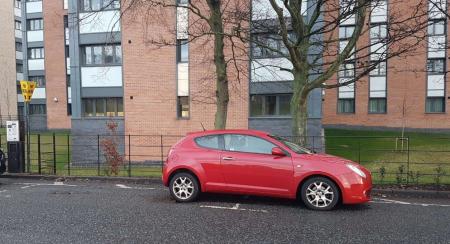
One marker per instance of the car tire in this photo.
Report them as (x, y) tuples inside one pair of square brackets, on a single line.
[(184, 187), (320, 193)]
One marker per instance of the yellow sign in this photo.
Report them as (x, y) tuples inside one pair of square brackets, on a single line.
[(27, 88)]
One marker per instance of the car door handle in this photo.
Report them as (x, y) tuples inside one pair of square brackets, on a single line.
[(227, 158)]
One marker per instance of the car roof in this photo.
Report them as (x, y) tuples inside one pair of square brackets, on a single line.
[(228, 131)]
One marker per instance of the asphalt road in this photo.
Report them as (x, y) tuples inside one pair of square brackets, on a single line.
[(105, 212)]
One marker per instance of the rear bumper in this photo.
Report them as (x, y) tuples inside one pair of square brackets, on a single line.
[(356, 189)]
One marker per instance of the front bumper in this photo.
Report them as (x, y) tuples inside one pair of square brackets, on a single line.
[(356, 189)]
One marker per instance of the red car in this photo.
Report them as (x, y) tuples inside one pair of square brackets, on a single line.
[(256, 163)]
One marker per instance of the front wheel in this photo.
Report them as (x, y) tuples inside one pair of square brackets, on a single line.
[(184, 187), (320, 193)]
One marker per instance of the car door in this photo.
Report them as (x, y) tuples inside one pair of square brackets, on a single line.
[(248, 166), (208, 156)]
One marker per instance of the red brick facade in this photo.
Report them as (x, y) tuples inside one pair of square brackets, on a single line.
[(150, 83), (55, 65)]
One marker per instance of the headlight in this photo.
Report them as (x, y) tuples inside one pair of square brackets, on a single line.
[(355, 169)]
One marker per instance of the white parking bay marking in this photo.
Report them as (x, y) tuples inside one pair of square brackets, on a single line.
[(389, 201), (135, 188), (5, 196), (57, 183), (236, 207)]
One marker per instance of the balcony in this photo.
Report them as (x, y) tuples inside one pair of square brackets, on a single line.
[(100, 22), (19, 55), (18, 34), (36, 64), (18, 12), (34, 7), (68, 66), (19, 76), (35, 36), (106, 76)]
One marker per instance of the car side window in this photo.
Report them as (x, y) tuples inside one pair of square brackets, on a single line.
[(249, 144), (211, 141)]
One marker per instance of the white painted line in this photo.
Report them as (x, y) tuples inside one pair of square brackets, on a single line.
[(28, 185), (135, 188), (5, 196), (235, 207), (389, 201)]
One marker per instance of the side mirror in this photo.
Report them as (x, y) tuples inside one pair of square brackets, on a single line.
[(276, 151)]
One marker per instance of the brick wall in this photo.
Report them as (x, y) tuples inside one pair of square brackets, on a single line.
[(150, 84), (55, 65)]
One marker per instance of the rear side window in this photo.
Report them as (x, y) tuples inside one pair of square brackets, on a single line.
[(249, 144), (208, 141)]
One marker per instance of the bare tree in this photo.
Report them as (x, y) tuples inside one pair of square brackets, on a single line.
[(318, 52)]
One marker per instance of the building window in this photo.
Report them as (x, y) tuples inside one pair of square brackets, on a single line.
[(35, 24), (345, 32), (436, 66), (36, 53), (182, 2), (270, 105), (65, 4), (102, 107), (378, 31), (38, 109), (183, 106), (182, 51), (436, 28), (102, 55), (19, 68), (19, 46), (268, 46), (40, 80), (346, 105), (435, 105), (347, 70), (377, 105), (379, 70), (18, 25), (98, 5), (18, 4), (69, 109)]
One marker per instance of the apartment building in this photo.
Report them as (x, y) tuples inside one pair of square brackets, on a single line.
[(409, 91), (41, 57), (93, 65), (9, 20)]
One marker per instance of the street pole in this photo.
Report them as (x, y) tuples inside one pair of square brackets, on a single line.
[(27, 127)]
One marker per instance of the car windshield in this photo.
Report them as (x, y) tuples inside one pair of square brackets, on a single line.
[(293, 146)]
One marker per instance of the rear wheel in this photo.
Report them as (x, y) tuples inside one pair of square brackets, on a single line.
[(184, 187), (319, 193)]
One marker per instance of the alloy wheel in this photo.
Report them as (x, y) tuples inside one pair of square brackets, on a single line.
[(183, 188), (319, 194)]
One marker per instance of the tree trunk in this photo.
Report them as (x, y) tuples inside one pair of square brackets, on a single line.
[(222, 93), (299, 108)]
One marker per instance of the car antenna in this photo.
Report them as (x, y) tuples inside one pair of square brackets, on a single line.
[(202, 126)]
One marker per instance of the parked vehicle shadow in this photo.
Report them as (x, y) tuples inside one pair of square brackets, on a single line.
[(245, 199)]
